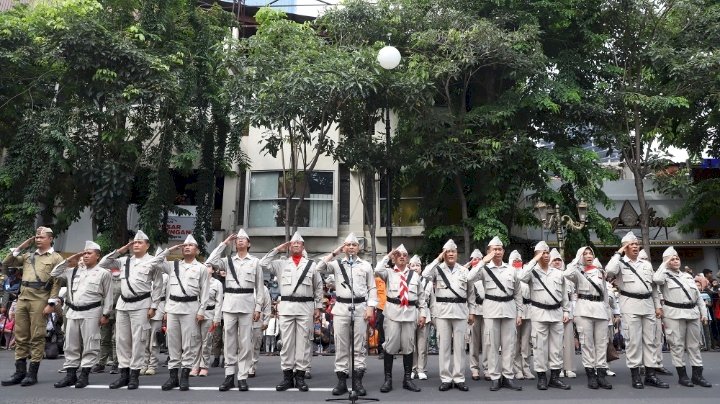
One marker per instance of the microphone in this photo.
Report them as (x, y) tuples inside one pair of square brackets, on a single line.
[(351, 260)]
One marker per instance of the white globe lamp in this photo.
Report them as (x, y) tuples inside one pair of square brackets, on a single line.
[(389, 57)]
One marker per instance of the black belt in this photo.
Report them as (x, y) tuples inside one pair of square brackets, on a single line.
[(680, 305), (499, 298), (347, 300), (210, 307), (135, 299), (34, 285), (297, 299), (85, 307), (183, 298), (545, 306), (639, 296), (162, 299), (526, 301), (395, 300), (239, 290), (478, 300), (591, 298), (451, 300)]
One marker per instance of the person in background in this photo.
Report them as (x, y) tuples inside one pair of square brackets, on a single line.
[(379, 313), (259, 327), (272, 331)]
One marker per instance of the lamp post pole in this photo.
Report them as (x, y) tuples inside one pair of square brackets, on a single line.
[(389, 58)]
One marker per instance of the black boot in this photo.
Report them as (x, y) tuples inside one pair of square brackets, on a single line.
[(341, 387), (387, 365), (123, 380), (134, 379), (357, 383), (495, 385), (683, 378), (592, 378), (661, 370), (172, 381), (407, 374), (84, 378), (69, 379), (651, 379), (300, 380), (242, 385), (697, 377), (31, 376), (542, 383), (602, 382), (19, 375), (555, 381), (510, 384), (216, 362), (287, 381), (636, 380), (228, 383), (184, 379)]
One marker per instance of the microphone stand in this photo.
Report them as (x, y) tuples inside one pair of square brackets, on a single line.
[(352, 394)]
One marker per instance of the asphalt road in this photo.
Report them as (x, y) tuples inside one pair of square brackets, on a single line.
[(262, 387)]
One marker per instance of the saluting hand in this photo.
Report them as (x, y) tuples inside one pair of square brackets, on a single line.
[(27, 243), (441, 257), (126, 247), (283, 247), (74, 259), (538, 255), (230, 239)]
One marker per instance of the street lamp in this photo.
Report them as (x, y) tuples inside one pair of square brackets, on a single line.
[(389, 58), (555, 222)]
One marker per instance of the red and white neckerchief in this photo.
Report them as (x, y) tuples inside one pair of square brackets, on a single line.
[(403, 295)]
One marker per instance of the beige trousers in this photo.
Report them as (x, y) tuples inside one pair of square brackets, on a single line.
[(256, 343), (183, 335), (341, 326), (399, 337), (593, 333), (568, 356), (131, 333), (151, 349), (82, 342), (295, 332), (451, 335), (547, 345), (521, 363), (641, 341), (500, 332), (202, 360), (478, 345), (237, 337), (684, 336), (421, 350)]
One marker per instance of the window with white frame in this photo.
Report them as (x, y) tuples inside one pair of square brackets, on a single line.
[(267, 203)]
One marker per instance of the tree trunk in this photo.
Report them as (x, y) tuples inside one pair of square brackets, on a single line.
[(464, 210)]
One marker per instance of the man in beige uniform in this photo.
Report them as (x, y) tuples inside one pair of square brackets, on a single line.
[(38, 294), (301, 290), (640, 307), (478, 367), (548, 311), (683, 310), (213, 315), (421, 334), (258, 327), (140, 294), (403, 314), (521, 361), (502, 311), (188, 290), (451, 309), (89, 300), (568, 354), (353, 276), (241, 306)]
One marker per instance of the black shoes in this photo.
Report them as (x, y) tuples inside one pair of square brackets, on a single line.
[(601, 379), (651, 379), (19, 375), (123, 380), (697, 377), (172, 381), (242, 385), (555, 381), (341, 386), (228, 383), (69, 379), (84, 378), (445, 386)]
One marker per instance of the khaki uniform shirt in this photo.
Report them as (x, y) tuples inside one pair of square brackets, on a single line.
[(44, 264), (215, 298), (627, 281), (90, 285), (289, 275), (195, 280), (555, 282), (249, 276), (363, 283), (507, 276), (458, 280), (674, 293), (391, 277), (265, 309), (145, 277)]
